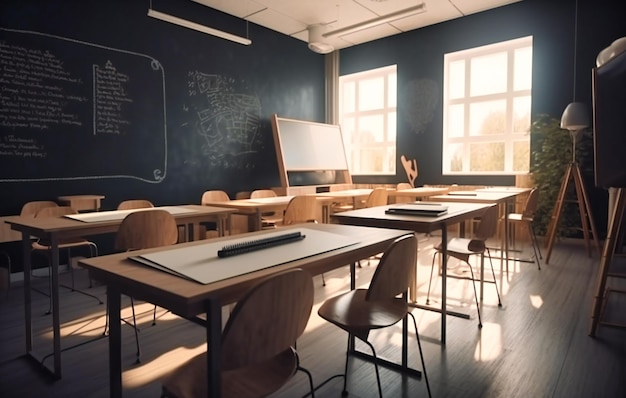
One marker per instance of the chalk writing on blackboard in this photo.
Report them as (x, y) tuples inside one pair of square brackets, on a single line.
[(226, 119), (110, 97), (72, 110)]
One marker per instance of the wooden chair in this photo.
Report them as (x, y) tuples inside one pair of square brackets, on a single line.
[(144, 230), (254, 364), (464, 248), (360, 311), (51, 209), (134, 204), (378, 197), (31, 208), (301, 209), (403, 199), (526, 217), (268, 219), (214, 196)]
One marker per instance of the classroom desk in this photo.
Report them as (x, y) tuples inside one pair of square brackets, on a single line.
[(357, 195), (417, 192), (254, 208), (189, 299), (56, 229), (504, 200), (82, 202), (376, 217)]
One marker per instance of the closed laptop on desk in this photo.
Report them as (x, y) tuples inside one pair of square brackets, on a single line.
[(419, 209)]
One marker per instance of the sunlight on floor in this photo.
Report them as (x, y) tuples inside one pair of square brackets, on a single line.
[(536, 301), (148, 372), (489, 346)]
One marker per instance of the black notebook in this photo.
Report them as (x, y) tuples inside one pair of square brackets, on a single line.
[(419, 209)]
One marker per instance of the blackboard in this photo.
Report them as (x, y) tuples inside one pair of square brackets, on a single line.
[(70, 108)]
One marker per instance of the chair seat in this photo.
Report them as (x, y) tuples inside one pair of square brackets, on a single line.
[(463, 246), (351, 311), (254, 381)]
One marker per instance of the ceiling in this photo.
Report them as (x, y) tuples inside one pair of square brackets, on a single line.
[(294, 17)]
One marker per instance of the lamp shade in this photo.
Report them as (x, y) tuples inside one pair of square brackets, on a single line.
[(575, 117)]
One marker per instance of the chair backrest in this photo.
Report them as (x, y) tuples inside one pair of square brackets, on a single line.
[(214, 196), (378, 197), (530, 205), (145, 229), (396, 269), (31, 208), (488, 224), (301, 208), (268, 319), (403, 185), (55, 211), (262, 193), (134, 204)]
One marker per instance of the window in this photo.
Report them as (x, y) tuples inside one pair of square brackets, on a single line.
[(486, 115), (367, 115)]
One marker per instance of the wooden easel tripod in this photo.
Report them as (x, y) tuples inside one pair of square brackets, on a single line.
[(573, 173), (601, 293)]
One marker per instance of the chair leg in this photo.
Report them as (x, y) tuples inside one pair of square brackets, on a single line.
[(535, 243), (430, 280), (480, 322), (419, 346), (344, 393), (380, 389), (132, 306), (493, 274), (323, 280)]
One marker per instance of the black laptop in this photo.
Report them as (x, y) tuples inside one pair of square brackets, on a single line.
[(418, 209)]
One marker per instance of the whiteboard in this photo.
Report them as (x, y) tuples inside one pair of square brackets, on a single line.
[(308, 146)]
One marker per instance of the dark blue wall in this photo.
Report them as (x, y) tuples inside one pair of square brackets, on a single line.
[(198, 121)]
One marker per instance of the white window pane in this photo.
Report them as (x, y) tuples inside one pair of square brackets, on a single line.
[(348, 97), (455, 157), (371, 94), (487, 156), (521, 115), (456, 121), (391, 90), (487, 118), (391, 128), (372, 160), (371, 129), (523, 69), (488, 74), (456, 82), (521, 155)]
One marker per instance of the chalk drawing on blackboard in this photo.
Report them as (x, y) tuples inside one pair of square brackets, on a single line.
[(225, 118), (64, 96), (421, 97)]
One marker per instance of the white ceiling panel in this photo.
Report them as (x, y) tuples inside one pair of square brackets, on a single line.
[(292, 17)]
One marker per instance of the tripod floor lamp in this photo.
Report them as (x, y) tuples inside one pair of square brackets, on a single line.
[(575, 119)]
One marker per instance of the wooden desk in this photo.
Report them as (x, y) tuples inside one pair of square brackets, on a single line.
[(81, 202), (418, 192), (254, 208), (376, 217), (189, 299), (57, 229)]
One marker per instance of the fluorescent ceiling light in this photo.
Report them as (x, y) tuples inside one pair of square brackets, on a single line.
[(200, 28), (394, 16)]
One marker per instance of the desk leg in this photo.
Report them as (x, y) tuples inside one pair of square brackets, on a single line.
[(444, 278), (54, 293), (213, 339), (115, 342), (26, 256)]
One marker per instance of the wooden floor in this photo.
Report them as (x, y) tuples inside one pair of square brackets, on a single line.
[(536, 345)]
